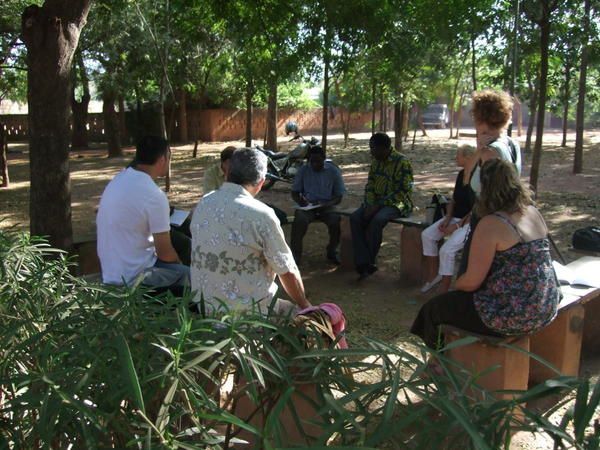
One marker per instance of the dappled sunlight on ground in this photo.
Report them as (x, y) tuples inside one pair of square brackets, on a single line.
[(382, 306)]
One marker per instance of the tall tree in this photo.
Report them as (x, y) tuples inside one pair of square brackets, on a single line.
[(79, 107), (578, 160), (51, 34), (540, 13)]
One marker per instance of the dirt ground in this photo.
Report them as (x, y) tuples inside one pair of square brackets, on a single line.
[(381, 306)]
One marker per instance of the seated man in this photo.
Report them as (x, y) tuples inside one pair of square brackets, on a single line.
[(387, 197), (216, 174), (319, 183), (238, 244), (133, 223)]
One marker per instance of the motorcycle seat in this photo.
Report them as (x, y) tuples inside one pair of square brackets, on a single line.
[(275, 155)]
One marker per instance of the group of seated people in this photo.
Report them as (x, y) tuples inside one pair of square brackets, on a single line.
[(506, 284)]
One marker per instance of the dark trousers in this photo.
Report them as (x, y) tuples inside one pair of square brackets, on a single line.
[(367, 234), (454, 308), (181, 240), (301, 221)]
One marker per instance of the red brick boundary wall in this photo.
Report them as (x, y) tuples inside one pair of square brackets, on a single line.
[(210, 125)]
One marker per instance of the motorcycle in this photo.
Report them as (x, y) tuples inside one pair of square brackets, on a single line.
[(283, 166)]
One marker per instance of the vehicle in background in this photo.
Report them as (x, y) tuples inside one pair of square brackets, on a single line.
[(436, 115)]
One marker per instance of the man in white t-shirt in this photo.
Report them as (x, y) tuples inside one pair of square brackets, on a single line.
[(133, 224)]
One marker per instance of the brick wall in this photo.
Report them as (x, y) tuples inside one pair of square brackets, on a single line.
[(212, 125)]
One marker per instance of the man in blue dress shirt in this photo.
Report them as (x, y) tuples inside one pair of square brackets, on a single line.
[(319, 186)]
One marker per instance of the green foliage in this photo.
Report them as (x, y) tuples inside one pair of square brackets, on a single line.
[(95, 367)]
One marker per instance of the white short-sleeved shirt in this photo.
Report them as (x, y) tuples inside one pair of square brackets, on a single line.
[(238, 247), (132, 209)]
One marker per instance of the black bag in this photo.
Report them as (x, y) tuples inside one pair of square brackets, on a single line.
[(587, 239)]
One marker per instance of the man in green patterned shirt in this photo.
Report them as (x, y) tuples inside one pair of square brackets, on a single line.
[(387, 197)]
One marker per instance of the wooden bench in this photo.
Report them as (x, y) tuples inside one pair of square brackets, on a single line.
[(575, 330), (84, 249), (411, 247), (508, 355)]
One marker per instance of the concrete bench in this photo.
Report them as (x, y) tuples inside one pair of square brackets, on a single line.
[(411, 247), (576, 327)]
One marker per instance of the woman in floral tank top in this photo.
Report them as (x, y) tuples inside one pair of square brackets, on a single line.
[(510, 287)]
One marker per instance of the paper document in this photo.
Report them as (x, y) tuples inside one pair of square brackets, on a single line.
[(307, 207), (178, 217), (587, 274)]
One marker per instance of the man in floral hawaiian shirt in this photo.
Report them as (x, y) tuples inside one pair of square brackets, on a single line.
[(238, 245)]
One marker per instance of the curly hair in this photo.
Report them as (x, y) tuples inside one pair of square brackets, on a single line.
[(493, 108), (502, 189)]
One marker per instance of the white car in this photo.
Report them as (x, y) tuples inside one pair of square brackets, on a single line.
[(436, 115)]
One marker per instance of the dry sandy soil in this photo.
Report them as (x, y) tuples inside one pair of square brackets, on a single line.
[(381, 306)]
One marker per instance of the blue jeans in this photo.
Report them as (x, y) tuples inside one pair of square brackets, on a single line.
[(367, 234), (167, 275)]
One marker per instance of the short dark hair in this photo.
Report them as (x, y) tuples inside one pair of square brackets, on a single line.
[(380, 140), (227, 153), (149, 149), (247, 166), (316, 150)]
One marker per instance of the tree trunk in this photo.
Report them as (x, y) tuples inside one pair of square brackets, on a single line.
[(539, 136), (532, 113), (519, 113), (111, 124), (4, 157), (405, 113), (79, 138), (453, 102), (382, 115), (51, 34), (566, 105), (459, 114), (398, 125), (578, 161), (183, 125), (271, 143), (420, 123), (514, 59), (346, 127), (122, 121), (249, 95), (473, 62), (325, 120), (373, 106)]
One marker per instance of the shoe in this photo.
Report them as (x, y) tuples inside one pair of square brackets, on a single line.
[(366, 270), (333, 258), (430, 284)]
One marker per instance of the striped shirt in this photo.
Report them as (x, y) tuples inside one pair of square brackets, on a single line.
[(390, 183)]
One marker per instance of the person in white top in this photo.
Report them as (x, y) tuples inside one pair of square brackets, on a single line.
[(238, 246), (133, 224)]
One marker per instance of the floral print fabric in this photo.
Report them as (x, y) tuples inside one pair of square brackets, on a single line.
[(238, 247), (521, 293)]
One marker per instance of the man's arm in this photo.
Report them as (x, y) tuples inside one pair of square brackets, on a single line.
[(164, 249), (299, 198), (334, 201), (403, 182), (293, 286)]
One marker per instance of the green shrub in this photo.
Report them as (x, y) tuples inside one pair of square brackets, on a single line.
[(87, 366)]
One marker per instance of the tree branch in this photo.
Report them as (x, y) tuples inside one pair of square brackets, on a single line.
[(12, 67)]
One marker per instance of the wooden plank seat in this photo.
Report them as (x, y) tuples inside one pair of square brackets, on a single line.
[(575, 327), (507, 355), (411, 247)]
